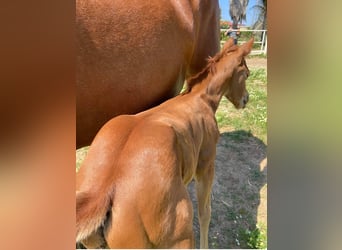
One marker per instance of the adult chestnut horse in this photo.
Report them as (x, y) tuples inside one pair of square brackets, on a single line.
[(135, 54)]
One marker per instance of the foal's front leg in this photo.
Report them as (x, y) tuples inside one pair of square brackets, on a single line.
[(204, 180)]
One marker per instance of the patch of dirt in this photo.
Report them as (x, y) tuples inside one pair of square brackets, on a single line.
[(239, 194), (256, 62)]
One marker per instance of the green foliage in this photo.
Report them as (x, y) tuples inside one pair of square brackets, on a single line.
[(255, 239), (245, 35), (223, 36), (81, 154), (224, 24), (258, 56)]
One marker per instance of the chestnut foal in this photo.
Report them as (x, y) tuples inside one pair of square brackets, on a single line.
[(131, 188)]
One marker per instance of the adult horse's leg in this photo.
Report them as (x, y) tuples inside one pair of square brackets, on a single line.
[(207, 42), (204, 182)]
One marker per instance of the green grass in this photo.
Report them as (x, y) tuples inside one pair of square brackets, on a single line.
[(257, 56), (255, 239), (81, 153), (254, 117)]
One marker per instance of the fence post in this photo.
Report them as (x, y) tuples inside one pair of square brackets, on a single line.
[(265, 49), (263, 41)]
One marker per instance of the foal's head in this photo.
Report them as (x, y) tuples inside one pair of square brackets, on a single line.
[(230, 71), (234, 72)]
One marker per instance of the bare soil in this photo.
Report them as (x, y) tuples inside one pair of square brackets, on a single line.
[(239, 194), (256, 62)]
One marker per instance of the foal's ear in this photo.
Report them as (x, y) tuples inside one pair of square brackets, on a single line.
[(228, 43), (247, 47)]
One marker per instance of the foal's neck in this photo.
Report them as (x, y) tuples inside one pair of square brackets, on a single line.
[(211, 90)]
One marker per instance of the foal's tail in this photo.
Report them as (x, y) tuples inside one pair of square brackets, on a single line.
[(91, 210)]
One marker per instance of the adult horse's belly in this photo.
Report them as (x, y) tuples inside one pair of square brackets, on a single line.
[(132, 55)]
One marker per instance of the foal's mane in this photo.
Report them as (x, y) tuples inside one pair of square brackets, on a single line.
[(209, 68)]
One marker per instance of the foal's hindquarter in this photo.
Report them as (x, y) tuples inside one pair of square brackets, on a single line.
[(135, 175), (150, 158)]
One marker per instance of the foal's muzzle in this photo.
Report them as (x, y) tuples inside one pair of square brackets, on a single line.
[(245, 100)]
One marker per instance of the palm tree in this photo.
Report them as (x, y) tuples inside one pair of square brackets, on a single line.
[(237, 11), (261, 8), (261, 21)]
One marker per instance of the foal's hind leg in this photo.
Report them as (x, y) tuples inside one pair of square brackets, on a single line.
[(204, 180), (183, 234)]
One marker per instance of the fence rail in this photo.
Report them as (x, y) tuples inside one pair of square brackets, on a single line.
[(260, 40)]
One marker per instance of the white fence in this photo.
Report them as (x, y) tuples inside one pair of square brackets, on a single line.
[(260, 38)]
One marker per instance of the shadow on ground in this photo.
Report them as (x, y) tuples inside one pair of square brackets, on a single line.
[(239, 198)]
